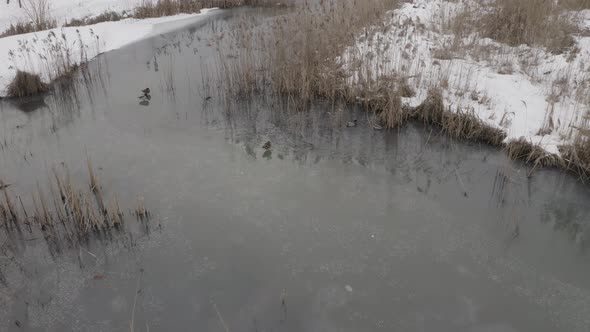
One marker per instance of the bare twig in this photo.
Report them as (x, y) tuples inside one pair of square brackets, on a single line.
[(220, 318)]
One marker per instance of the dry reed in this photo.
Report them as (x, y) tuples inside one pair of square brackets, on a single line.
[(108, 16), (296, 55), (458, 124), (70, 217)]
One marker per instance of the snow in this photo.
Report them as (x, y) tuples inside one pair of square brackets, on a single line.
[(64, 10), (39, 52), (526, 92)]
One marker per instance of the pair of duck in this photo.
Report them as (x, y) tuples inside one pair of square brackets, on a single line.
[(353, 123), (145, 94)]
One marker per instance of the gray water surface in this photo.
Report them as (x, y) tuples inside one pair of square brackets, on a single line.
[(334, 229)]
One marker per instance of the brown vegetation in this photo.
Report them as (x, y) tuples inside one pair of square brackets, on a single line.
[(459, 123), (295, 55), (68, 216), (538, 22), (577, 155), (524, 150), (545, 23), (109, 16), (25, 84), (18, 29), (157, 8)]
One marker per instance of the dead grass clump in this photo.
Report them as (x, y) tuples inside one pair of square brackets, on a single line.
[(524, 150), (140, 211), (578, 154), (390, 110), (466, 125), (70, 216), (431, 110), (405, 90), (25, 84), (384, 97), (149, 8), (459, 124), (18, 29), (442, 54), (531, 22), (109, 16)]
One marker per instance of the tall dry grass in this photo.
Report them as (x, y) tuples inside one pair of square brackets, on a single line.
[(296, 54), (65, 215), (531, 22), (18, 29), (578, 154), (459, 124), (546, 23)]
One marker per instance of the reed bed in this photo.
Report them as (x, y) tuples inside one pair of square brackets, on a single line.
[(65, 215), (544, 23), (531, 22), (298, 56), (61, 57), (459, 124), (20, 28)]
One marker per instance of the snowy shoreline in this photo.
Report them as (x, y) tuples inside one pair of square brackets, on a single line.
[(65, 10), (39, 52), (537, 103)]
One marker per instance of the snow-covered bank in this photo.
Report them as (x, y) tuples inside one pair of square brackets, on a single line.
[(43, 52), (525, 91), (64, 10)]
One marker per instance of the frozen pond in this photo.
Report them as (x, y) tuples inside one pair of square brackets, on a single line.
[(332, 229)]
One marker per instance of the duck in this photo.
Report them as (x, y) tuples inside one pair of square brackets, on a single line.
[(145, 94), (352, 123), (377, 126), (267, 145), (516, 232)]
